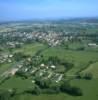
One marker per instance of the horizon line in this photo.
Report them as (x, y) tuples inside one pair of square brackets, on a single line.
[(49, 19)]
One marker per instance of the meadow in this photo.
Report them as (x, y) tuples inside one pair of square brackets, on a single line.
[(81, 60), (89, 87)]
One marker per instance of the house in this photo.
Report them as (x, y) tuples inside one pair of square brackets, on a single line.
[(10, 56), (41, 73), (26, 69), (33, 81), (59, 78), (92, 45), (29, 59), (50, 74), (13, 71), (42, 65), (9, 60), (5, 55), (53, 67), (19, 66)]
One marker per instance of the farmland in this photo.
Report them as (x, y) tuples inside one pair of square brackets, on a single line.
[(79, 58), (83, 84), (41, 61)]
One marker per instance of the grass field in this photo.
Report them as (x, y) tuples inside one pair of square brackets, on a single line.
[(89, 88), (76, 56), (18, 83), (79, 58), (30, 49), (90, 92), (5, 67)]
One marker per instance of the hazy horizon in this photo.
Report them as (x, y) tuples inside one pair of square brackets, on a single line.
[(14, 10)]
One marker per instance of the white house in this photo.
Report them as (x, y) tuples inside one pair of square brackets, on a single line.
[(53, 67), (42, 65), (92, 44)]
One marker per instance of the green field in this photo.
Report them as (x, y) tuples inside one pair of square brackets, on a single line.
[(80, 59), (90, 92), (30, 49), (93, 69), (18, 83), (4, 67)]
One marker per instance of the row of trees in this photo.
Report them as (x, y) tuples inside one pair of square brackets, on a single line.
[(46, 86), (56, 61), (87, 76)]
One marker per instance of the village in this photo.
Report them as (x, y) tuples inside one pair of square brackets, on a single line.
[(26, 69), (48, 49), (42, 70), (41, 59)]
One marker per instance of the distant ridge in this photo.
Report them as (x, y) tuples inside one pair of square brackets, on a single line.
[(87, 19)]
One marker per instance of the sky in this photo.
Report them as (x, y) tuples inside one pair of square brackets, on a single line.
[(47, 9)]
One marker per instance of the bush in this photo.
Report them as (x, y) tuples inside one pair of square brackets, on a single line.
[(36, 90), (81, 49), (67, 88), (19, 55), (33, 90), (55, 87), (13, 92), (5, 95), (76, 91), (21, 74), (43, 83), (49, 91), (88, 76)]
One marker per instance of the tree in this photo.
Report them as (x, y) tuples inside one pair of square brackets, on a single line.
[(43, 83), (36, 90), (5, 95), (14, 90), (55, 87), (81, 49), (18, 56), (21, 74), (76, 91), (67, 88), (53, 60), (88, 76), (67, 46), (67, 65)]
